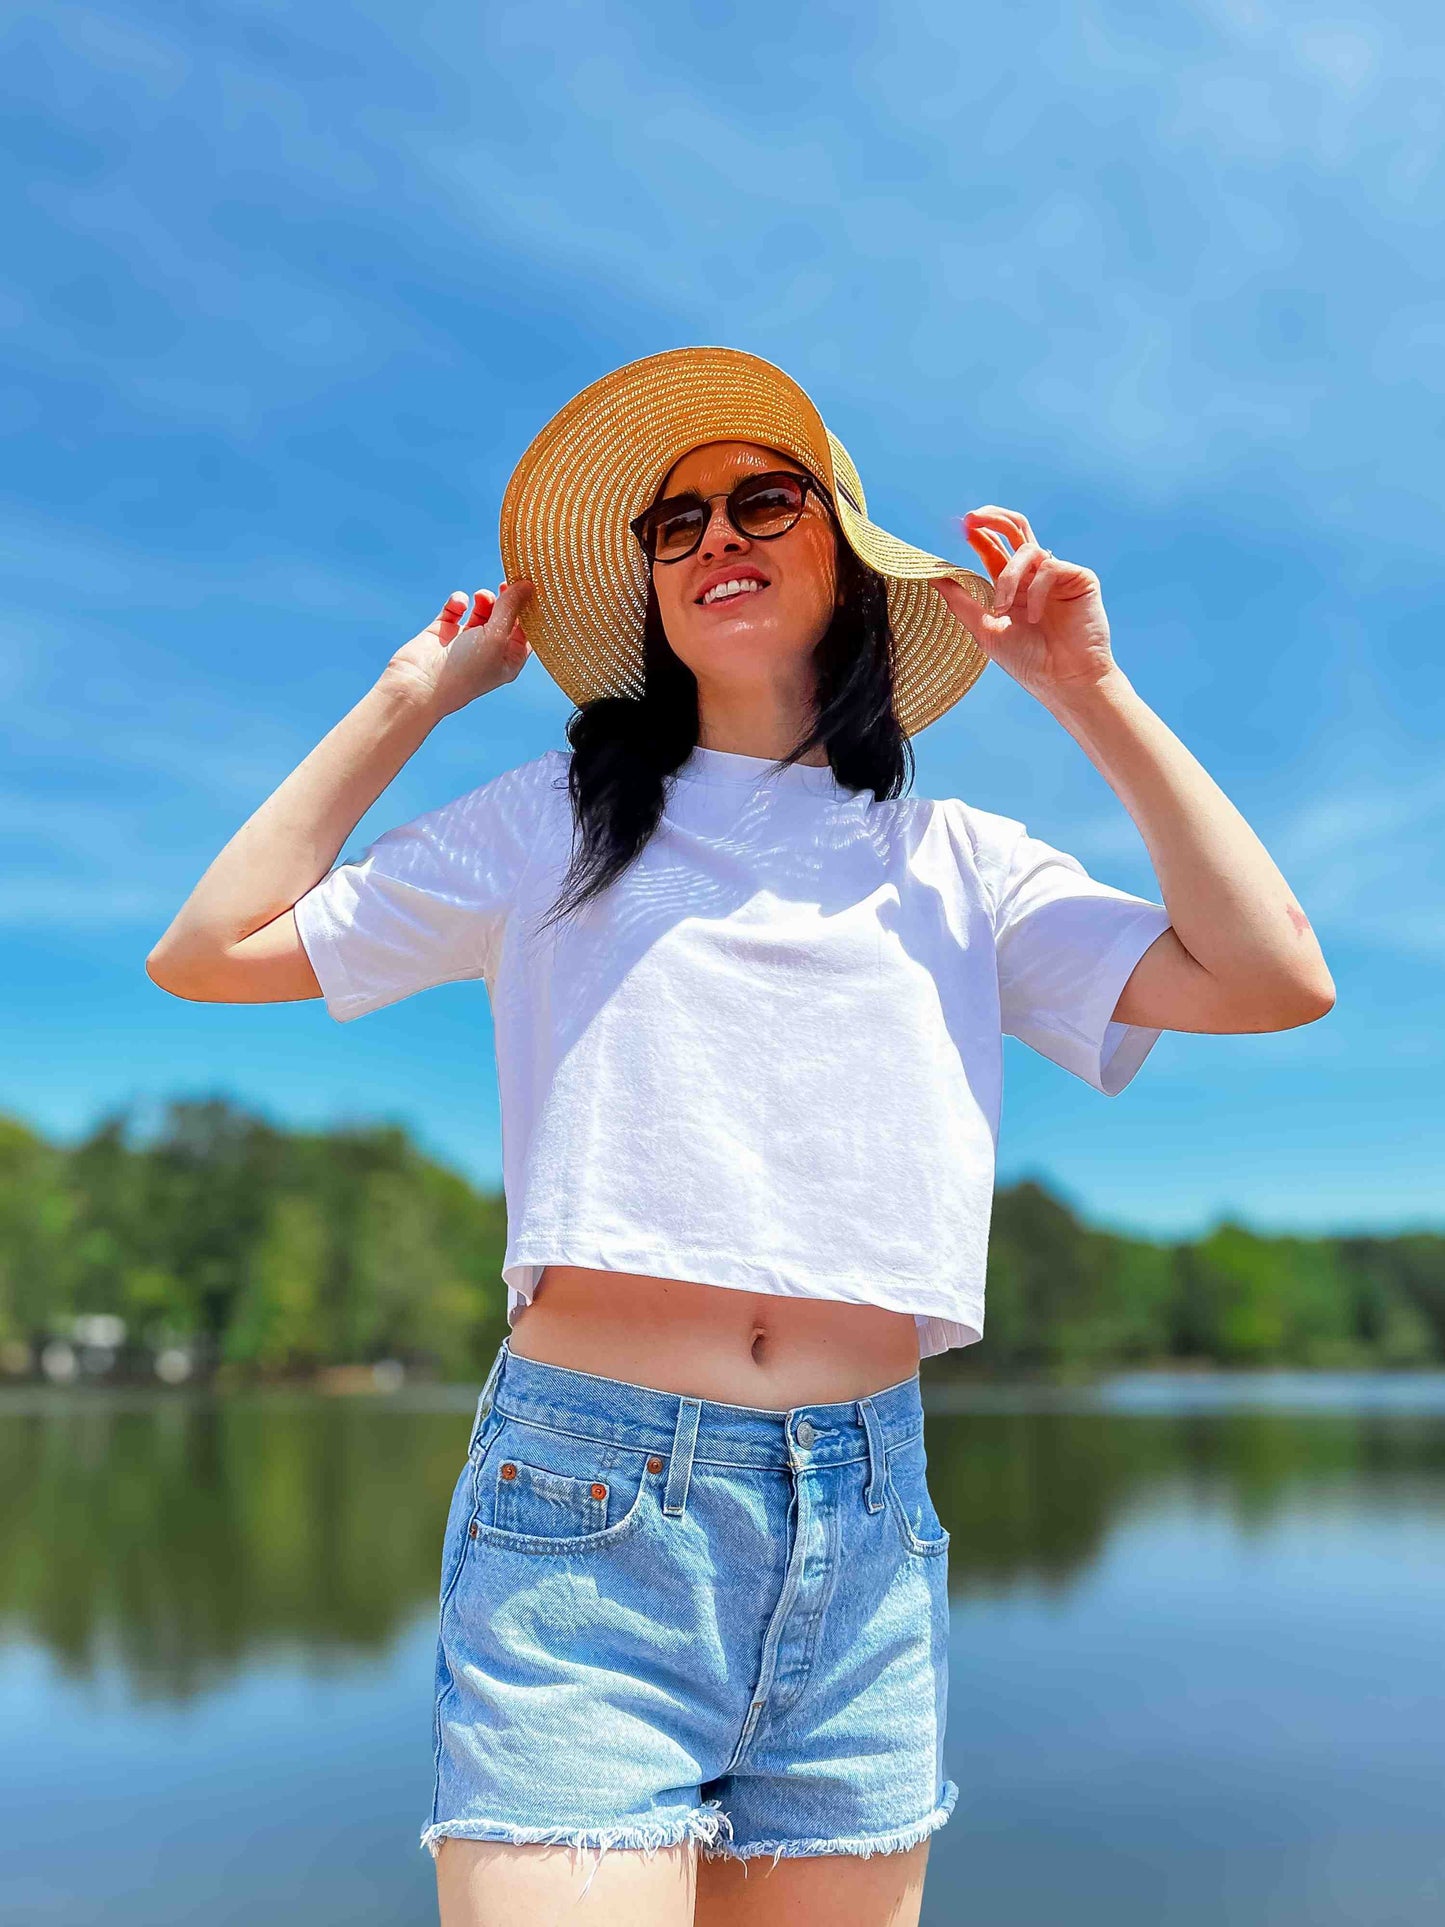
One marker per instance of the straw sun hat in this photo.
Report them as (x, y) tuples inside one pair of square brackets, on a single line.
[(600, 461)]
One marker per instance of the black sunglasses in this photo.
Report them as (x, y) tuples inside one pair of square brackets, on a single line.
[(761, 507)]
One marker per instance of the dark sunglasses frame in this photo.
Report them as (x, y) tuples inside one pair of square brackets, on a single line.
[(642, 526)]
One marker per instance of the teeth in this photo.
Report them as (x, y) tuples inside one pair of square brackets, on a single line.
[(727, 589)]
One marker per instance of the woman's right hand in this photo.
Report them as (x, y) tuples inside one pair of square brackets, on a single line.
[(472, 647)]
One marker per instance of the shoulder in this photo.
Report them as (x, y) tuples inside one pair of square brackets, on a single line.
[(517, 799), (982, 842), (985, 831), (525, 785)]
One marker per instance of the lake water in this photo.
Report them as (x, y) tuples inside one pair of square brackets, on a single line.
[(1197, 1660)]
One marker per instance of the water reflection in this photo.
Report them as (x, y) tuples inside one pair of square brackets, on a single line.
[(180, 1537)]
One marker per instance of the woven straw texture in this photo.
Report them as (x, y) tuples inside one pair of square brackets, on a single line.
[(600, 461)]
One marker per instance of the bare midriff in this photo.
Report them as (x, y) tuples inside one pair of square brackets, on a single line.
[(714, 1342)]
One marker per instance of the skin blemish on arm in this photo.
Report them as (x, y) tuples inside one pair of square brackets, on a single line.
[(1298, 918)]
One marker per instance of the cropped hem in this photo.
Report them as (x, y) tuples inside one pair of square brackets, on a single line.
[(703, 1824), (860, 1844), (936, 1314)]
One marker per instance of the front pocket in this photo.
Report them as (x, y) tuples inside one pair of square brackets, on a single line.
[(548, 1505), (910, 1500), (552, 1491)]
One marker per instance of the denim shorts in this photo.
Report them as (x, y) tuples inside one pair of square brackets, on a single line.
[(669, 1619)]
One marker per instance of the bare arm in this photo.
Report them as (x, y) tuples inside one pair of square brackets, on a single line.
[(1240, 954), (234, 939)]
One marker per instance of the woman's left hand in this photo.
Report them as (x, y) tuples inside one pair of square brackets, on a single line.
[(1048, 628)]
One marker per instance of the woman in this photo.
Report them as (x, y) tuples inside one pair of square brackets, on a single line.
[(748, 999)]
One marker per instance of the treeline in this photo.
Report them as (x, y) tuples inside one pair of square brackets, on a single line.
[(1064, 1297), (255, 1252)]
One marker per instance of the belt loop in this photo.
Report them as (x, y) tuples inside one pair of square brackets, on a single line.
[(877, 1456), (684, 1443), (484, 1403)]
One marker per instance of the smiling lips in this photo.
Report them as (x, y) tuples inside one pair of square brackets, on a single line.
[(733, 586)]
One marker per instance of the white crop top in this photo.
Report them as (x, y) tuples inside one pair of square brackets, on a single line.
[(769, 1057)]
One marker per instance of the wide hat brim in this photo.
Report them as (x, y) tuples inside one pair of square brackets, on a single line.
[(600, 461)]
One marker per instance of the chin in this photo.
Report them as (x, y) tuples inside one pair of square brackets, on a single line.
[(731, 645), (743, 660)]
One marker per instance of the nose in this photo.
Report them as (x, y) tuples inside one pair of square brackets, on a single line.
[(720, 537)]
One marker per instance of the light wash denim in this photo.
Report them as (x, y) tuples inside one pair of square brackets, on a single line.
[(668, 1618)]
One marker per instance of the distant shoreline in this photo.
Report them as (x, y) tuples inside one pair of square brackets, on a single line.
[(222, 1249)]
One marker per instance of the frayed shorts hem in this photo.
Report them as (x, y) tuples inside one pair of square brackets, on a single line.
[(859, 1844), (707, 1824), (703, 1824)]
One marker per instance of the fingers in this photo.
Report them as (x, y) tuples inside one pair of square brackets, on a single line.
[(994, 552), (503, 605), (477, 611), (972, 613), (445, 623), (1038, 587), (494, 616), (510, 602), (483, 602), (1018, 577), (1009, 520), (1015, 570)]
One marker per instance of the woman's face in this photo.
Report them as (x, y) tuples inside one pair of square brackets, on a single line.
[(767, 634)]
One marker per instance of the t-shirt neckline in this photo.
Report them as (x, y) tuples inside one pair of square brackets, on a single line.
[(725, 768)]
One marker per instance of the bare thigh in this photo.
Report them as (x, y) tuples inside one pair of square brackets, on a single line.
[(865, 1890), (483, 1883), (487, 1884)]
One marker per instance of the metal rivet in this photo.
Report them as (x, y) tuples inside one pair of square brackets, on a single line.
[(599, 1491), (654, 1464), (509, 1471), (473, 1528)]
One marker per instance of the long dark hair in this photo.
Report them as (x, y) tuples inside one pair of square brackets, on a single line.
[(624, 748)]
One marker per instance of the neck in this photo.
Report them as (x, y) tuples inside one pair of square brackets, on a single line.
[(744, 727)]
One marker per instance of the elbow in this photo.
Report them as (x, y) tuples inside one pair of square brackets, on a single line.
[(160, 970), (1300, 1001), (1322, 999), (1274, 1002), (169, 970)]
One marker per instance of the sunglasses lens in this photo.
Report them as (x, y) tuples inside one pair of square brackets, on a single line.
[(765, 506), (768, 506), (675, 530)]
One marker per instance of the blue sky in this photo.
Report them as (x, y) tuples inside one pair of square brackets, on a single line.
[(287, 292)]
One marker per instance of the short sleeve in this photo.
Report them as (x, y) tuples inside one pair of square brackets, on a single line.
[(426, 903), (1066, 945)]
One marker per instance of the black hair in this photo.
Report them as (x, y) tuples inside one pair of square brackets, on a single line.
[(624, 748)]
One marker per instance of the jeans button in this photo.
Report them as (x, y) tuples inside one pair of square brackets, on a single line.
[(806, 1432)]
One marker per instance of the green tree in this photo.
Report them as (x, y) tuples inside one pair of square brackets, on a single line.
[(37, 1234), (277, 1323), (279, 1251)]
